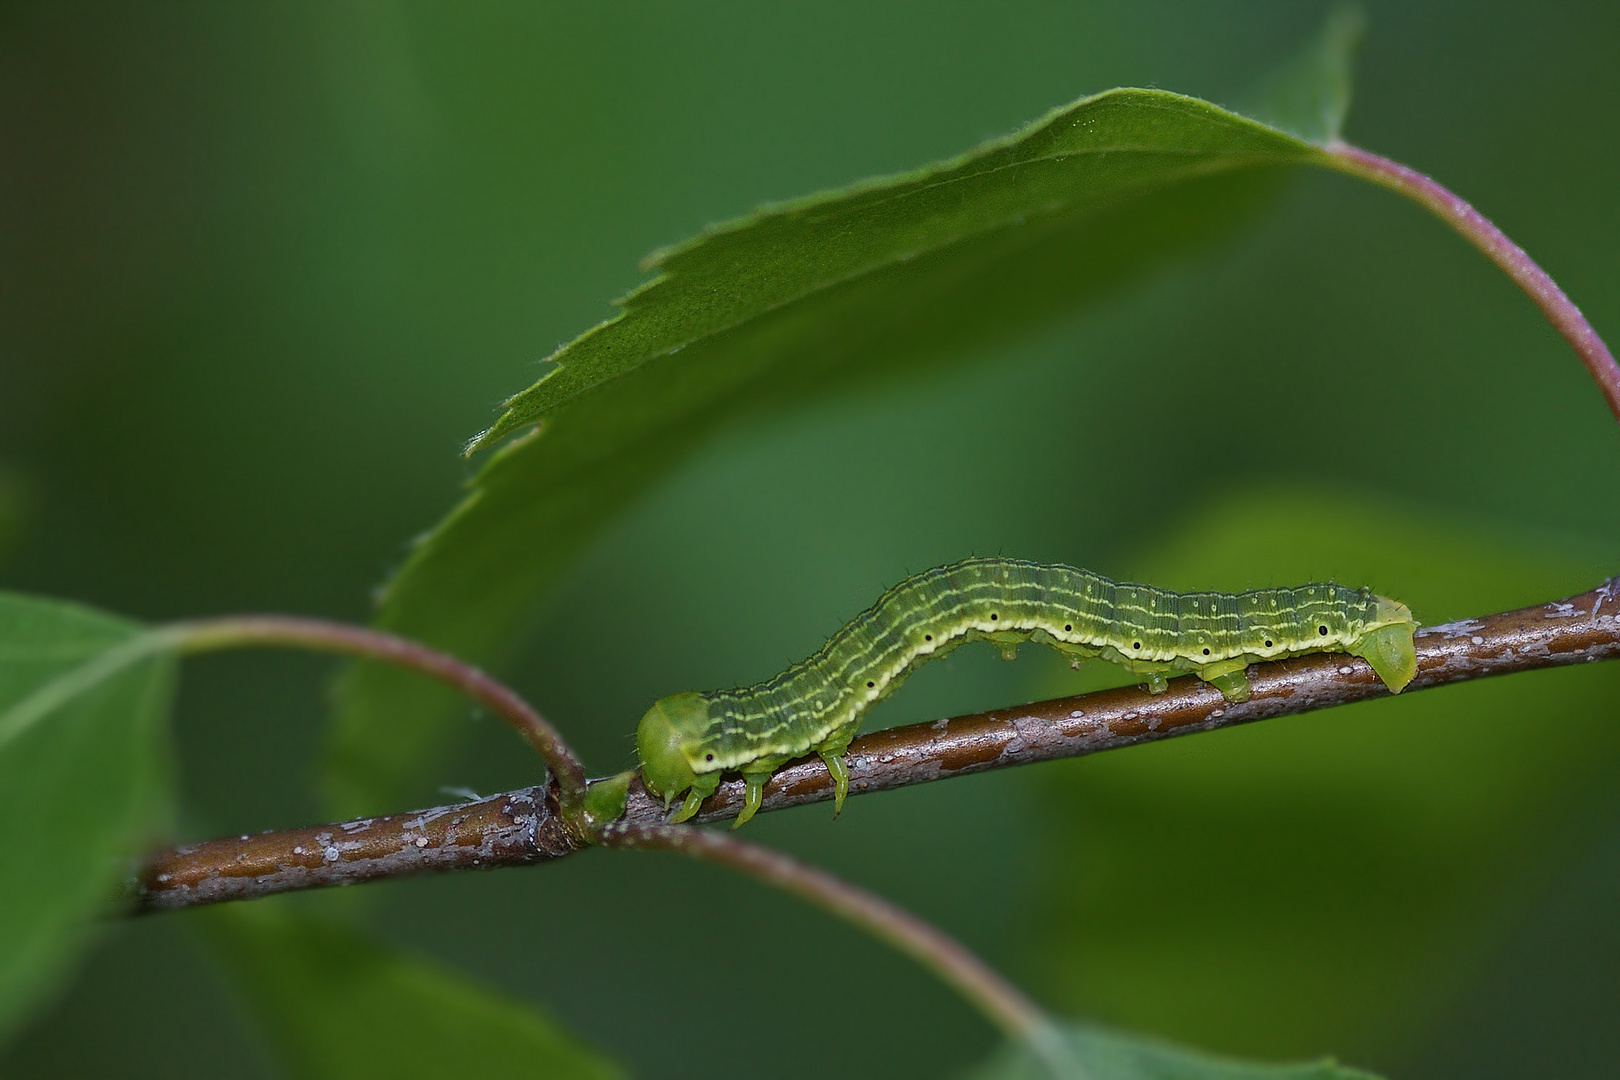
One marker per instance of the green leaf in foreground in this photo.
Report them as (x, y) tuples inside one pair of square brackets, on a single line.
[(796, 299), (1328, 881), (340, 1006), (83, 780), (1095, 1054)]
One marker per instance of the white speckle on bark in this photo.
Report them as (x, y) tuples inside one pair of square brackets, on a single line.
[(1456, 629)]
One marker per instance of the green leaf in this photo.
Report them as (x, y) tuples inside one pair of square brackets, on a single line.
[(340, 1006), (1083, 159), (1328, 880), (1082, 1052), (84, 779), (796, 299)]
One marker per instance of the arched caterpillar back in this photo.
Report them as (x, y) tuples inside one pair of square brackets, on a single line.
[(686, 741)]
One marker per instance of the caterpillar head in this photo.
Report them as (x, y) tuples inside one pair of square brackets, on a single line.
[(1387, 644), (670, 724)]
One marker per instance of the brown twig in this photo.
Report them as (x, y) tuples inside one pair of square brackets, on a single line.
[(524, 827)]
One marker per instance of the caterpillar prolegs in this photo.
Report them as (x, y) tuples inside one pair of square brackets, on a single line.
[(687, 740)]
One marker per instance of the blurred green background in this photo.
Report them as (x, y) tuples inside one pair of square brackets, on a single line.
[(265, 269)]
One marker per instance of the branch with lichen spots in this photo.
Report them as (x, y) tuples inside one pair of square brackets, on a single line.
[(520, 827)]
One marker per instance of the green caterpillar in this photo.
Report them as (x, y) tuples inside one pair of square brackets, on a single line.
[(687, 740)]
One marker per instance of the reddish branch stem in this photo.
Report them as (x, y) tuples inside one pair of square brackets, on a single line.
[(236, 631), (524, 826), (1495, 245)]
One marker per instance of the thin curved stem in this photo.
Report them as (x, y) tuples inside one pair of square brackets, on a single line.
[(1495, 245), (941, 954), (236, 631)]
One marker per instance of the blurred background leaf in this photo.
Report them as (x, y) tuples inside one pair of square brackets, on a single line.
[(1106, 1055), (1307, 881), (1309, 95), (340, 1006), (83, 783), (266, 268)]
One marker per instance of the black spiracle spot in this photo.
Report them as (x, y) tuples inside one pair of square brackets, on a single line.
[(1206, 652), (1067, 627), (870, 684), (1322, 630), (1136, 644), (708, 757), (1268, 643), (928, 637), (992, 616)]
